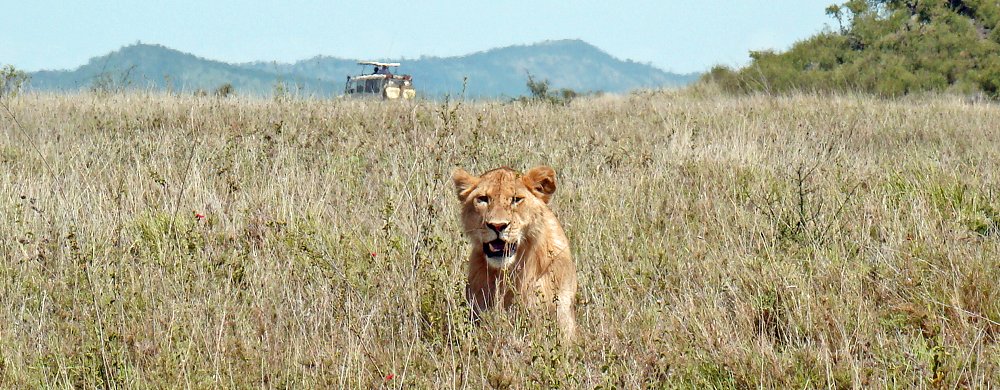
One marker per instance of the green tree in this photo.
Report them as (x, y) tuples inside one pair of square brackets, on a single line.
[(885, 47), (540, 91), (11, 80)]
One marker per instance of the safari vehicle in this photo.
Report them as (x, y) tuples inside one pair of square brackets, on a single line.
[(381, 82)]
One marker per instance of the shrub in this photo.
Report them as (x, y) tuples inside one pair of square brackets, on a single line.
[(540, 91), (888, 48), (224, 90), (11, 80)]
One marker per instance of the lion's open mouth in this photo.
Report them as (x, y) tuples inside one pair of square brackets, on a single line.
[(499, 248)]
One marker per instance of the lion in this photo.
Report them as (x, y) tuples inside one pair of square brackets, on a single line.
[(519, 250)]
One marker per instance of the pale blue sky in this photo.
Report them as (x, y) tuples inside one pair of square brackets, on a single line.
[(680, 36)]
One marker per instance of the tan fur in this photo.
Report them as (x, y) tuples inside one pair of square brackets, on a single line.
[(540, 271)]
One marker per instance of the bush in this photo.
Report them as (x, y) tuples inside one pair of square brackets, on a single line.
[(888, 48), (723, 76), (540, 91), (11, 80), (989, 77), (224, 90), (111, 83)]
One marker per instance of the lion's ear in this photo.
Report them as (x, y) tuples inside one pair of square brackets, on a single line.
[(541, 181), (464, 182)]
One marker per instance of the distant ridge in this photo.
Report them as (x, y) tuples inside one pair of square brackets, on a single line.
[(494, 73)]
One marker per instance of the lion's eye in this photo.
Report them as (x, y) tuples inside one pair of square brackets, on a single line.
[(483, 199), (516, 200)]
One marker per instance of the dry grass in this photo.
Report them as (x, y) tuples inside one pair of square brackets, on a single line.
[(729, 242)]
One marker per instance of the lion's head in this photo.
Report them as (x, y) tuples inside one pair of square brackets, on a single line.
[(501, 207)]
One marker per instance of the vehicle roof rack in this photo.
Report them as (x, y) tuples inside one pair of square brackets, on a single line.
[(392, 64)]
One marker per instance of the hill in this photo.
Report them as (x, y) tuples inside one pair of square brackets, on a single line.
[(162, 68), (888, 48), (572, 64)]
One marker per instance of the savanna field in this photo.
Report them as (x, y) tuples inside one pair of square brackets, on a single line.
[(154, 240)]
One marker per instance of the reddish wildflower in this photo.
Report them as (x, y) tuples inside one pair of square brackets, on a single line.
[(389, 376), (373, 254), (199, 216)]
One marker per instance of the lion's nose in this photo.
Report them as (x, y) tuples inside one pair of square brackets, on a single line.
[(497, 226)]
